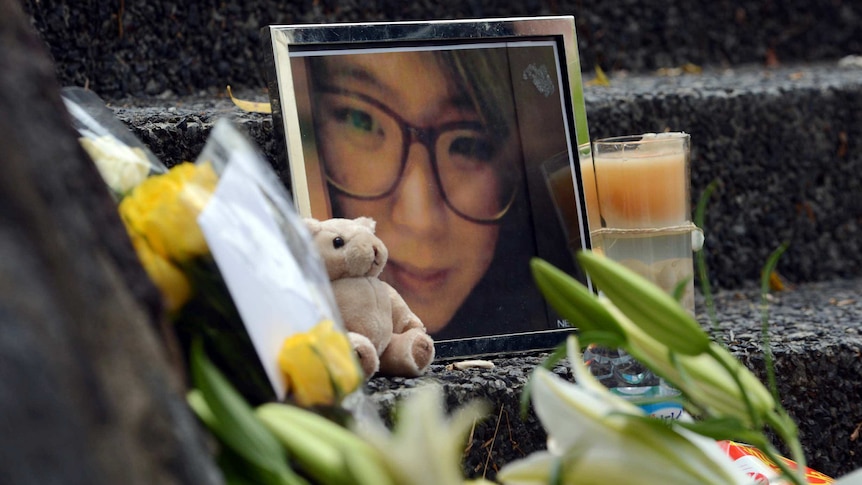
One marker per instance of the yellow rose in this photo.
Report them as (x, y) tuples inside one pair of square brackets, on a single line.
[(319, 366), (171, 282), (164, 209)]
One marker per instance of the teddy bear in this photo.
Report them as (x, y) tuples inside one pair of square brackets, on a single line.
[(388, 338)]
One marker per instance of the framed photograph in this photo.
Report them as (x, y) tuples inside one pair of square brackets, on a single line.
[(462, 140)]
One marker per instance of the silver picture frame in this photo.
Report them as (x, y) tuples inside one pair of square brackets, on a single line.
[(317, 76)]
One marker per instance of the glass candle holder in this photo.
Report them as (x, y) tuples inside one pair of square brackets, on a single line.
[(642, 191)]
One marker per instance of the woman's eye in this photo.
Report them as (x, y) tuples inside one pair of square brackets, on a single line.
[(356, 119), (474, 148)]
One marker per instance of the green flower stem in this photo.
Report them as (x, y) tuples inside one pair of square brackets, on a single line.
[(212, 315), (769, 360), (779, 421), (756, 421), (700, 378), (700, 257), (647, 306), (786, 429), (796, 477)]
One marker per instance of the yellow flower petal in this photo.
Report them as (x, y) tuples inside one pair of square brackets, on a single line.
[(171, 282), (306, 375), (164, 209), (319, 365), (335, 349)]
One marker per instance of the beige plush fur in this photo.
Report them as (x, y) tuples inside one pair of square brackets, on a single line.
[(387, 336)]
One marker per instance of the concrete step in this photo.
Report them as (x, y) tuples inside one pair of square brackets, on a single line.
[(784, 145), (140, 47), (782, 142)]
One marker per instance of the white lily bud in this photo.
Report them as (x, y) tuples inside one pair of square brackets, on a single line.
[(703, 379), (603, 438)]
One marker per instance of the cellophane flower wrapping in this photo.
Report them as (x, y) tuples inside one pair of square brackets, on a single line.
[(121, 158), (233, 261)]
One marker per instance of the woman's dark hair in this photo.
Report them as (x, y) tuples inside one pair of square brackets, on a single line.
[(483, 75)]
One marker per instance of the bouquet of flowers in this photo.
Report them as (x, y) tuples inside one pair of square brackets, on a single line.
[(235, 265)]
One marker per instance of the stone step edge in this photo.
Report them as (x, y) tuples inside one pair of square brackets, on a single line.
[(723, 82), (758, 205)]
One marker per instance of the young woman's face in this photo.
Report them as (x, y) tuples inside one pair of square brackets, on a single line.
[(436, 256)]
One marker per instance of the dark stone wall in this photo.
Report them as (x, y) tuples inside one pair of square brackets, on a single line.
[(145, 47)]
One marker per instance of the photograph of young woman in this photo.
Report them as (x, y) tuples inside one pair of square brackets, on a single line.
[(427, 142)]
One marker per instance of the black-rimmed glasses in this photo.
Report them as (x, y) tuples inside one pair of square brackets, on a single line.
[(365, 145)]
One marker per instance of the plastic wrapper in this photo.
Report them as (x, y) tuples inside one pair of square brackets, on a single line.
[(233, 261), (761, 469), (274, 276), (122, 160)]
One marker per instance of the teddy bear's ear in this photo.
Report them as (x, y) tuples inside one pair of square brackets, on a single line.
[(367, 222), (313, 225)]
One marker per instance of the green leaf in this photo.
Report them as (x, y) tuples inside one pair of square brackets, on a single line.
[(238, 471), (647, 305), (700, 256), (724, 428), (235, 469), (554, 357), (573, 300), (605, 339), (768, 358), (679, 289), (199, 405), (235, 422), (557, 469)]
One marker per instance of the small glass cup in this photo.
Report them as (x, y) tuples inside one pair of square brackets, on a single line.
[(642, 191)]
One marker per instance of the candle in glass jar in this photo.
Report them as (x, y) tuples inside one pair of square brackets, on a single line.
[(642, 185), (642, 194)]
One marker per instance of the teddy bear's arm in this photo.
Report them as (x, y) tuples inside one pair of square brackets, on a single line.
[(403, 318)]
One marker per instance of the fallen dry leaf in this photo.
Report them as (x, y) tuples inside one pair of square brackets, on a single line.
[(250, 106), (777, 283), (601, 78)]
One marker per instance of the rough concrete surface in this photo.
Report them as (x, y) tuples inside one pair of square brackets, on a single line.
[(782, 143), (138, 47)]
